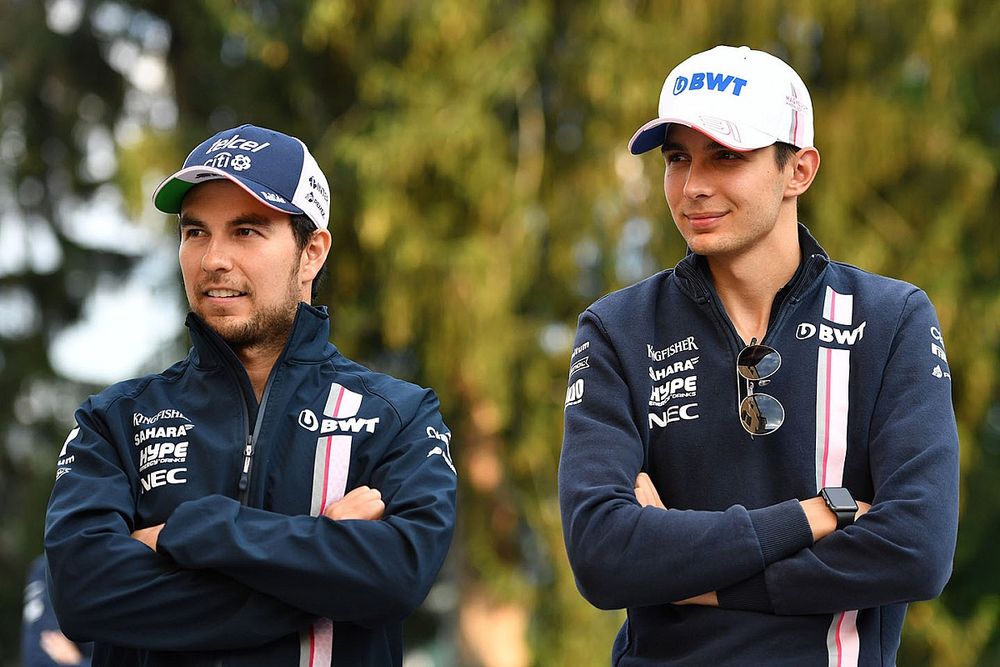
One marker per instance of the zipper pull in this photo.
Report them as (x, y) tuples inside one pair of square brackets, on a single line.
[(247, 458)]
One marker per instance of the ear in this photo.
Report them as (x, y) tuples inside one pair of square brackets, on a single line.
[(801, 171), (314, 255)]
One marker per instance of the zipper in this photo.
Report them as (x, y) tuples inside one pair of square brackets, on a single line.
[(708, 296), (254, 437), (233, 366), (792, 295), (244, 484)]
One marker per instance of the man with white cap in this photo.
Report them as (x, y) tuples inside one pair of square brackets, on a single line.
[(760, 457), (265, 501)]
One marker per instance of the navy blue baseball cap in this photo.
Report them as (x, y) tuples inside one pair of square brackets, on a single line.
[(275, 168)]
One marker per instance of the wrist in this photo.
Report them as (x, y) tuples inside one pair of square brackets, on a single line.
[(841, 503), (822, 521)]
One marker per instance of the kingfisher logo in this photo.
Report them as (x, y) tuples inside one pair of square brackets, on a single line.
[(711, 81), (341, 411)]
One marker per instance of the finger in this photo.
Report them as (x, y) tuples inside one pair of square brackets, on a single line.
[(368, 511), (641, 496), (652, 495)]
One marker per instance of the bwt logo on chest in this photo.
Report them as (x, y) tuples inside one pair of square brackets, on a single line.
[(711, 81)]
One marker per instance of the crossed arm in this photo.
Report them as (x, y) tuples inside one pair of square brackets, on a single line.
[(822, 522), (785, 558), (362, 503), (149, 588)]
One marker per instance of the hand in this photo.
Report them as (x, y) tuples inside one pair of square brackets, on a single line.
[(646, 493), (360, 503), (148, 536), (822, 521), (59, 648), (710, 599)]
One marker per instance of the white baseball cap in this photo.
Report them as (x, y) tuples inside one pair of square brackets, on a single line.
[(741, 98)]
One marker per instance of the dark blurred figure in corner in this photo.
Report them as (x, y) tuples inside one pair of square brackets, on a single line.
[(42, 643)]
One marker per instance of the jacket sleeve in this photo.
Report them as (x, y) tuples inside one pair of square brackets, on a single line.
[(361, 571), (625, 555), (902, 549), (109, 587)]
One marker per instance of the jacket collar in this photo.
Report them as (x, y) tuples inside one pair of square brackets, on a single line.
[(696, 278)]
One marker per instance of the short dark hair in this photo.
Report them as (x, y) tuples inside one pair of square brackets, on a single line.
[(783, 152), (303, 228)]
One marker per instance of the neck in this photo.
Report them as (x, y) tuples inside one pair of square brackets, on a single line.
[(258, 362), (747, 283)]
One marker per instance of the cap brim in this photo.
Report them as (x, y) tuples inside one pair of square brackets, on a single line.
[(649, 136), (169, 195), (654, 133)]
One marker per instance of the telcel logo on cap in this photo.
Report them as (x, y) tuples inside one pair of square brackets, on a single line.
[(237, 144)]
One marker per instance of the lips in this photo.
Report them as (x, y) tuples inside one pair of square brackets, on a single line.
[(224, 293), (704, 219)]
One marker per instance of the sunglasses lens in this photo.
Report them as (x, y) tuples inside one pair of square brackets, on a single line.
[(757, 362), (761, 414)]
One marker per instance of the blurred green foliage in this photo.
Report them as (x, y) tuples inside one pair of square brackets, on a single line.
[(483, 197)]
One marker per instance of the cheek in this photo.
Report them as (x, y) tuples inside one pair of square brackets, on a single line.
[(188, 264)]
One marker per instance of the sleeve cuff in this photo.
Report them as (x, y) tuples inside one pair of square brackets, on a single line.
[(782, 530), (193, 530), (750, 595)]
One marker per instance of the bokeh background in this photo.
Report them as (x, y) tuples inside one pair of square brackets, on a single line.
[(483, 196)]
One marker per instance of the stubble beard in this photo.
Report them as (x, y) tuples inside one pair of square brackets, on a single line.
[(265, 328)]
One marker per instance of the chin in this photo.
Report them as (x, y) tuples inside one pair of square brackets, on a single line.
[(702, 244)]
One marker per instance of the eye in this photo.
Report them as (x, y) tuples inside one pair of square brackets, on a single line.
[(729, 155), (246, 231), (192, 232), (672, 157)]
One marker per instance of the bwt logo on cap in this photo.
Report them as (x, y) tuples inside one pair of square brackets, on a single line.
[(711, 80)]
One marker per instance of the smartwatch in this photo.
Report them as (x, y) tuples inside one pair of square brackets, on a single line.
[(841, 502)]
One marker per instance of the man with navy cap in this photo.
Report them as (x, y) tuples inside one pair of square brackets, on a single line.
[(265, 501), (760, 457)]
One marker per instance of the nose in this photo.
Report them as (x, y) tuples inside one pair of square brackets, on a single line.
[(697, 183), (216, 257)]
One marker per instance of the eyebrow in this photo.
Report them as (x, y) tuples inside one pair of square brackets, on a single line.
[(674, 146), (246, 220)]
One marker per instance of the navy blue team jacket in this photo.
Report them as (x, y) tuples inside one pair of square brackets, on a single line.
[(866, 389), (247, 571)]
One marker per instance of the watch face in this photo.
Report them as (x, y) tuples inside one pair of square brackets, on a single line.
[(840, 498)]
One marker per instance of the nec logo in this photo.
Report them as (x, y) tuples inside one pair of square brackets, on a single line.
[(710, 80), (829, 334)]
